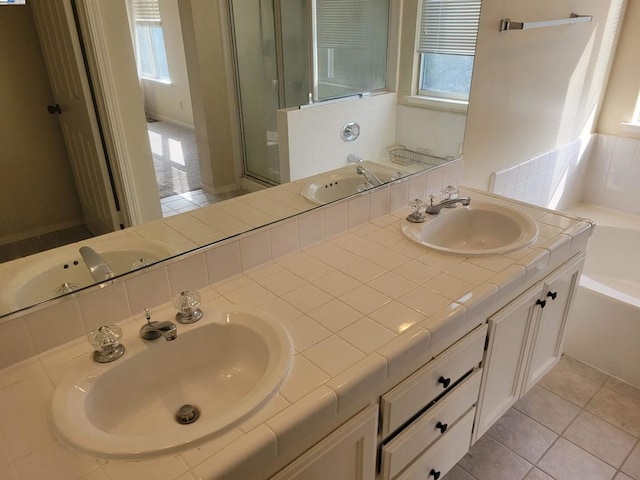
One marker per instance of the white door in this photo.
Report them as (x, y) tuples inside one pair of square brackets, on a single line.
[(62, 53)]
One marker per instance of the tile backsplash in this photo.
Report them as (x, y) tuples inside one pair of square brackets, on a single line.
[(552, 180), (613, 174), (35, 330)]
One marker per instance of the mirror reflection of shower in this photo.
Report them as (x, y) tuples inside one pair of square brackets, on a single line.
[(290, 53)]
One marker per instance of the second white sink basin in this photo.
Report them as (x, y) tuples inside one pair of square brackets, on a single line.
[(330, 187), (227, 368), (478, 229), (42, 280)]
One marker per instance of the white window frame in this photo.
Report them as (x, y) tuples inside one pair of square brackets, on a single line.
[(426, 43), (146, 13)]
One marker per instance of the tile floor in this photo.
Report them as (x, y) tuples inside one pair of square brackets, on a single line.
[(185, 202), (577, 424)]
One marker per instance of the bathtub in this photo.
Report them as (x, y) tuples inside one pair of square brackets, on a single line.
[(603, 328)]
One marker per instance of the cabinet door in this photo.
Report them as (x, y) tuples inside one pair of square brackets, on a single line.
[(505, 359), (548, 334), (349, 453)]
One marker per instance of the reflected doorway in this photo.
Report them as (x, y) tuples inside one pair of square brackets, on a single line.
[(161, 60)]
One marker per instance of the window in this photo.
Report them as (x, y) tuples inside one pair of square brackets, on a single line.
[(351, 53), (447, 44), (151, 55)]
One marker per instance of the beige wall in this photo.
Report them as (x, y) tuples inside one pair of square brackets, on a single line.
[(210, 92), (37, 190), (535, 90), (172, 101), (624, 84)]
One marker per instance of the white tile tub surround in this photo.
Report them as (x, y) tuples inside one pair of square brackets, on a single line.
[(322, 390), (311, 142), (552, 180), (613, 174)]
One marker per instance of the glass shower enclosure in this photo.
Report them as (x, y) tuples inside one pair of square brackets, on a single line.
[(296, 52)]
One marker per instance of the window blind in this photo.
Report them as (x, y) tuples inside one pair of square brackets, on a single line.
[(146, 12), (345, 23), (449, 26)]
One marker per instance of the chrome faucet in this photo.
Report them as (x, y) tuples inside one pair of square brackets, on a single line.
[(154, 330), (450, 202), (369, 175), (99, 269)]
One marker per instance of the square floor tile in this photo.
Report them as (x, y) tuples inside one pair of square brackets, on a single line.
[(566, 382), (623, 388), (600, 438), (584, 369), (632, 465), (537, 474), (622, 476), (566, 461), (548, 408), (457, 473), (617, 409), (488, 460), (524, 436)]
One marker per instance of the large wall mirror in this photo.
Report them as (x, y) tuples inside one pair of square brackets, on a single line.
[(39, 191)]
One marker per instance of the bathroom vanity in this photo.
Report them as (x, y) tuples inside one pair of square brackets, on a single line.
[(429, 420), (403, 356)]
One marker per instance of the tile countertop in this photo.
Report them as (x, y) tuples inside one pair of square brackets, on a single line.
[(364, 310)]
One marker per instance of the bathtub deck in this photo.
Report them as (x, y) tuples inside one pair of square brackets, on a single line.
[(578, 423)]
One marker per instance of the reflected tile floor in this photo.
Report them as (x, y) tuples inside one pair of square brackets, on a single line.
[(577, 424), (185, 202)]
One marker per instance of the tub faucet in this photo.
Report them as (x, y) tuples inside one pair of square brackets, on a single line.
[(99, 269), (435, 209), (371, 177), (154, 330)]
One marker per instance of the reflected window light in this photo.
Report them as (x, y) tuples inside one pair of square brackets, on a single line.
[(155, 140), (176, 155)]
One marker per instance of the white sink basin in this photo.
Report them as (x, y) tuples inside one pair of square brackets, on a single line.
[(227, 367), (336, 186), (43, 280), (478, 229)]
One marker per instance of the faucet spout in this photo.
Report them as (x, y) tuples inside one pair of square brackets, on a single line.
[(154, 330), (435, 209), (99, 269), (369, 175)]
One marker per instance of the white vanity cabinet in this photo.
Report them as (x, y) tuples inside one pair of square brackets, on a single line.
[(524, 342), (348, 453), (426, 420)]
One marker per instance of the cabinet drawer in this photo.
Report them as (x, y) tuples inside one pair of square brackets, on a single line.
[(444, 454), (430, 426), (405, 400)]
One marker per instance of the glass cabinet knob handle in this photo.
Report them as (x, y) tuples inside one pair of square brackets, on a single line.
[(187, 305)]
